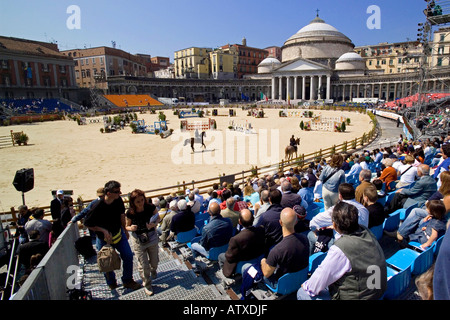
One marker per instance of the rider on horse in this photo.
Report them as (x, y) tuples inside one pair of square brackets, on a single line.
[(293, 143)]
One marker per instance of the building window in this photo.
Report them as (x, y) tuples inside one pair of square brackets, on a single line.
[(439, 62), (442, 37), (4, 64)]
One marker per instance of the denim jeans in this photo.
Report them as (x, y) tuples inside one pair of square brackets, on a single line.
[(411, 222), (197, 249), (127, 260)]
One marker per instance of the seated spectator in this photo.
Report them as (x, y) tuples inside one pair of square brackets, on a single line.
[(214, 198), (183, 220), (419, 193), (228, 212), (429, 229), (246, 245), (312, 179), (289, 199), (307, 193), (376, 209), (343, 273), (216, 233), (269, 220), (290, 255), (262, 205), (355, 169), (40, 224), (407, 172), (163, 209), (226, 193), (323, 220), (194, 204), (364, 177), (251, 195), (379, 186), (302, 224), (164, 228), (32, 247)]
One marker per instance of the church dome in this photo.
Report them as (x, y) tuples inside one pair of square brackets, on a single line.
[(350, 61), (268, 64), (316, 41), (350, 56), (317, 28)]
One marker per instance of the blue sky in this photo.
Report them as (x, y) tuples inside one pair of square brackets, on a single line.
[(161, 27)]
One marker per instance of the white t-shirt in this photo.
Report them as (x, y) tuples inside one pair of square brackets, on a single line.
[(408, 176)]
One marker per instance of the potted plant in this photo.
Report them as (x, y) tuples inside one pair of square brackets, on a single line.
[(22, 139)]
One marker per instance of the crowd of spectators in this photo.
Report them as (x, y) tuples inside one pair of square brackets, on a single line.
[(264, 218)]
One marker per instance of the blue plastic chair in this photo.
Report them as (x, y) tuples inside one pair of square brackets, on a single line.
[(315, 260), (397, 282), (213, 253), (418, 261), (392, 222), (378, 231), (312, 211), (437, 246), (404, 212), (389, 197), (187, 236), (241, 264), (290, 282)]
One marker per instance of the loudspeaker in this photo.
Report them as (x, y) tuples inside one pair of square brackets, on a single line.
[(24, 180)]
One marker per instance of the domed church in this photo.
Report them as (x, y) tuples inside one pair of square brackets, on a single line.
[(311, 58)]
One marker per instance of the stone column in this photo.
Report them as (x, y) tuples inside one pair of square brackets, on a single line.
[(280, 88), (295, 87), (288, 88), (328, 88), (273, 88), (303, 87), (311, 88), (319, 96), (343, 92)]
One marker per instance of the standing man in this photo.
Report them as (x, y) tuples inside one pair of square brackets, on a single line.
[(56, 205), (107, 220)]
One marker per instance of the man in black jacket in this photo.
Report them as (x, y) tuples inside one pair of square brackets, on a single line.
[(270, 220), (246, 245)]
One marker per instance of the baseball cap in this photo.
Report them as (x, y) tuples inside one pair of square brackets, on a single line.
[(60, 192)]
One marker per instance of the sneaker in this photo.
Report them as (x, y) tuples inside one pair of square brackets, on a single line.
[(133, 285), (113, 286), (148, 292)]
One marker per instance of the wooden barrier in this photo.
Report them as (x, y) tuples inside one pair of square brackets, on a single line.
[(201, 125)]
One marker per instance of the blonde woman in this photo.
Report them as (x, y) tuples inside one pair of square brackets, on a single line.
[(332, 176)]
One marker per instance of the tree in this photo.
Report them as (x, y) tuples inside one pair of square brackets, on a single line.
[(302, 125), (343, 127)]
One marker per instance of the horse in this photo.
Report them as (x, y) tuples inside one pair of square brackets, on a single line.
[(290, 150), (196, 139)]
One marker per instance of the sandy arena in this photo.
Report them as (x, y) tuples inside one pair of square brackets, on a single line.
[(65, 155)]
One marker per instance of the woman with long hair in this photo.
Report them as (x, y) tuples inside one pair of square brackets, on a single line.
[(142, 219)]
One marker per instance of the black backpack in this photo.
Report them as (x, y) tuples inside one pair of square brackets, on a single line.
[(84, 247)]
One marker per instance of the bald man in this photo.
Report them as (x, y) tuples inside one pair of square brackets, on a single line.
[(246, 245), (288, 256)]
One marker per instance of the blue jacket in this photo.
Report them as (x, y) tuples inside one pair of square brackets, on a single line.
[(424, 188), (216, 233)]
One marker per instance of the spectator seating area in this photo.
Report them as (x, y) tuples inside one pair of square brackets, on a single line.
[(408, 102), (402, 264), (34, 106), (130, 100)]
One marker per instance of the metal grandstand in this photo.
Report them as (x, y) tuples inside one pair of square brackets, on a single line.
[(437, 16)]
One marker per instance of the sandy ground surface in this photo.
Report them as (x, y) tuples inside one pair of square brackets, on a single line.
[(65, 155)]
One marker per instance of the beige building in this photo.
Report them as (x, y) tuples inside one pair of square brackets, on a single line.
[(192, 63), (441, 48), (224, 63)]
